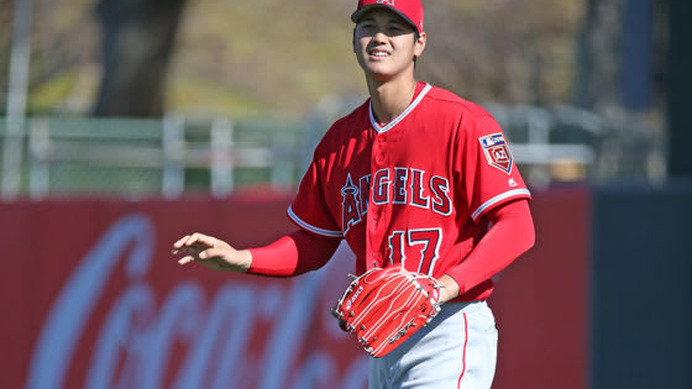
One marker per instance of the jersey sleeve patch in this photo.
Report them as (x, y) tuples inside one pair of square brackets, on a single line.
[(497, 152), (309, 227)]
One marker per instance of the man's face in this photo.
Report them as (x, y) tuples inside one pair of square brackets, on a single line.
[(385, 44)]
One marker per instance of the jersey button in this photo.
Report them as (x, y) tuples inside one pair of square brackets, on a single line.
[(382, 138), (379, 158)]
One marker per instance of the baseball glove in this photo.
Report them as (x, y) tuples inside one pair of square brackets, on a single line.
[(385, 306)]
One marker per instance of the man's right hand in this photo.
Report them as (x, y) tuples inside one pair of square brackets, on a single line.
[(212, 253)]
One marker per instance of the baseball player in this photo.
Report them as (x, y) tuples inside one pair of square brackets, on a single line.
[(416, 176)]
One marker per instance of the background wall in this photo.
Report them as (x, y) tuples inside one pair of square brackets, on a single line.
[(92, 296), (97, 300), (642, 294)]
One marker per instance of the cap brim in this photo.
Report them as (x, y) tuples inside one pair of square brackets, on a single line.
[(356, 16)]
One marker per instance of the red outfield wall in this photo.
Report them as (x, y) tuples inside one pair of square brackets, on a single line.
[(92, 297)]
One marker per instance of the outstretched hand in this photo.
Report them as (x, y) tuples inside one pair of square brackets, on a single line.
[(212, 253)]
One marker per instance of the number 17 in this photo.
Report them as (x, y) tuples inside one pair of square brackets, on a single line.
[(430, 240)]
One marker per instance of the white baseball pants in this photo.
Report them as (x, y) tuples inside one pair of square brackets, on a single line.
[(456, 350)]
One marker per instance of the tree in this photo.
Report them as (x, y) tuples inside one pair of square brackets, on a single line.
[(138, 43), (510, 51), (600, 55)]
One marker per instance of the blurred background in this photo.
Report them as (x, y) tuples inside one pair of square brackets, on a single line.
[(579, 86), (163, 101)]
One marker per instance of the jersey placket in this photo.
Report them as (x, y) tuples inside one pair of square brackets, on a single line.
[(382, 159), (379, 212)]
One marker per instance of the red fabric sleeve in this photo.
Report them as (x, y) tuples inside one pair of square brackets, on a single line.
[(512, 234), (310, 210), (489, 173), (292, 255)]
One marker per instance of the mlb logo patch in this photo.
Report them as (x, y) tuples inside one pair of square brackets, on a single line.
[(497, 151)]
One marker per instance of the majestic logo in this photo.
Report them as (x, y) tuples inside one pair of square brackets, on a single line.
[(497, 151)]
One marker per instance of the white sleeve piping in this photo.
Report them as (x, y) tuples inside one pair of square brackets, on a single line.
[(499, 198), (311, 228)]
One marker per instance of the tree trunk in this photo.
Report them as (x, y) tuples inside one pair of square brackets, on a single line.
[(137, 46), (600, 56)]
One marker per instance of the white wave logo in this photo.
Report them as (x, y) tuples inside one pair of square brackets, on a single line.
[(216, 333)]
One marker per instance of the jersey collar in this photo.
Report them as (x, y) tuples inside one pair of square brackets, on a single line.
[(401, 116)]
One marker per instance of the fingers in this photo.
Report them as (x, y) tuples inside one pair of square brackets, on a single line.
[(187, 259), (181, 242), (196, 241), (191, 245), (195, 254), (212, 253), (188, 240), (198, 246)]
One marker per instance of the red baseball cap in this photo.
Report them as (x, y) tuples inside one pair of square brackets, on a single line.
[(410, 10)]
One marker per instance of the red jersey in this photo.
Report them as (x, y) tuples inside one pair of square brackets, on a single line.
[(413, 191)]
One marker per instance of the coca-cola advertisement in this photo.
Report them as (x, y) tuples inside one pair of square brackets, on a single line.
[(93, 298)]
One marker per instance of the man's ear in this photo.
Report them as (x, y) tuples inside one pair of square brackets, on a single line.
[(420, 44)]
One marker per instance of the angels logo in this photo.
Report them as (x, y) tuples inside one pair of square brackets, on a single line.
[(388, 2), (397, 185), (497, 151), (351, 212)]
